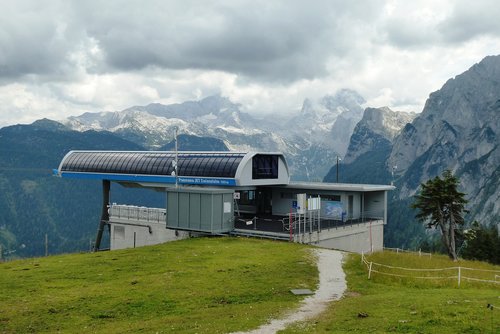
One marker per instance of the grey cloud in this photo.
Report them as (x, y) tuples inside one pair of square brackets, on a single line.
[(34, 39), (404, 34), (470, 19), (270, 40), (465, 21), (277, 41)]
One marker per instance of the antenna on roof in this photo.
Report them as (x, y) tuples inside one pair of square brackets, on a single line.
[(174, 163)]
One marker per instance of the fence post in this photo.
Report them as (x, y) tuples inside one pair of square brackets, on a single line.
[(362, 255), (370, 270), (420, 252), (397, 250), (459, 273)]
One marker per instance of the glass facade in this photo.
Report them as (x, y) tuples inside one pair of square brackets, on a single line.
[(265, 166), (154, 163)]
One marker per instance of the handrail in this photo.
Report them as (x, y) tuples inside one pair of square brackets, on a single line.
[(132, 212), (150, 229), (332, 223)]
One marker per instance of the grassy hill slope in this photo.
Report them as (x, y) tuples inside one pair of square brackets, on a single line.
[(389, 304), (203, 285), (221, 285)]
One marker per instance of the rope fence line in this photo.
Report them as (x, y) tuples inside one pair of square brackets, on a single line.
[(420, 277), (415, 269), (459, 276), (401, 250), (479, 280)]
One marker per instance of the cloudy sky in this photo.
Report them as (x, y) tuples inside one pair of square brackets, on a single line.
[(62, 58)]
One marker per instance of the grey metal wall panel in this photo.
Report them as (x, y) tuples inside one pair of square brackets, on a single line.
[(217, 213), (195, 210), (172, 210), (200, 210), (184, 210), (206, 212)]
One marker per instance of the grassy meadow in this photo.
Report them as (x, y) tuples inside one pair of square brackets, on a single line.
[(202, 285), (392, 304), (221, 285)]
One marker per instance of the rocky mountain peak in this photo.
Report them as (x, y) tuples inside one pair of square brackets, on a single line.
[(307, 107), (464, 100), (385, 121), (376, 130), (457, 130), (344, 98), (217, 104), (465, 103)]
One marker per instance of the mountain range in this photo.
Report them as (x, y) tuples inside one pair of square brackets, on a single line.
[(457, 130), (311, 139)]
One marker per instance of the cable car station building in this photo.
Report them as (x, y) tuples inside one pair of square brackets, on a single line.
[(233, 193)]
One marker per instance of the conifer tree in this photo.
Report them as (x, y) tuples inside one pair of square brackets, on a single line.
[(442, 206)]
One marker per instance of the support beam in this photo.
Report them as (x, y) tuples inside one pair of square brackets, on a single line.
[(106, 186)]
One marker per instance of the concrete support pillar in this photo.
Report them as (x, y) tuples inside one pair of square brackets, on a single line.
[(106, 186)]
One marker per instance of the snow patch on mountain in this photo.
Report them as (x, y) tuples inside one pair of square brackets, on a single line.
[(306, 137)]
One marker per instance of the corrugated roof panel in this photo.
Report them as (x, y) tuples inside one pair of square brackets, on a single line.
[(198, 164)]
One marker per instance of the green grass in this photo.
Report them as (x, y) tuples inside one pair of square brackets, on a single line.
[(204, 285), (220, 285), (409, 305)]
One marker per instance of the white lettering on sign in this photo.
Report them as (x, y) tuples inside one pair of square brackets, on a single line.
[(200, 180)]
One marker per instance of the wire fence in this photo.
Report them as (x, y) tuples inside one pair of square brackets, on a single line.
[(458, 274)]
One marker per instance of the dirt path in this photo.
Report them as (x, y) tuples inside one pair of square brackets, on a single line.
[(332, 285)]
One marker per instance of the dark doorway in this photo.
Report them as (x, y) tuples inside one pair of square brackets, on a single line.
[(264, 201), (350, 207)]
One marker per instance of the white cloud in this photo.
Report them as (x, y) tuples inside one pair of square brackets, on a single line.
[(60, 58)]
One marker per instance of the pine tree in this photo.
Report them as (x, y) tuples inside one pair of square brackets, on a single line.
[(442, 206), (483, 244)]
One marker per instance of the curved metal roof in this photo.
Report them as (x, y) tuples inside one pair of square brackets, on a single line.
[(199, 164), (149, 168)]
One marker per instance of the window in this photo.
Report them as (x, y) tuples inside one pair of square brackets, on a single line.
[(325, 197), (247, 197), (334, 198), (265, 167)]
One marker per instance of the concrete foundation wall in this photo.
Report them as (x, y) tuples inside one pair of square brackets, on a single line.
[(129, 236), (356, 238)]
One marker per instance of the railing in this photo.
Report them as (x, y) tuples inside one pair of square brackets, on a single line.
[(311, 221), (459, 274), (137, 213)]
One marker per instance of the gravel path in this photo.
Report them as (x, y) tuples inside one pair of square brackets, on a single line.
[(332, 285)]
